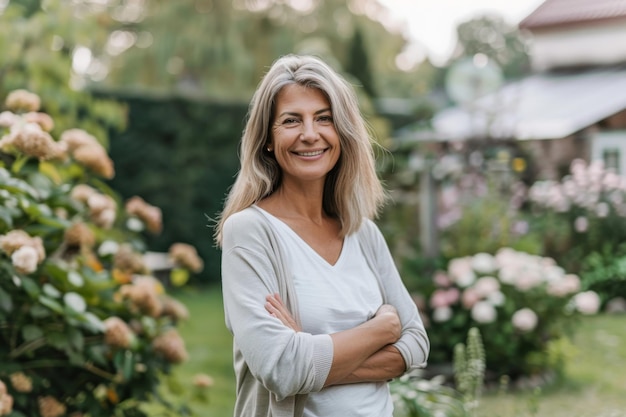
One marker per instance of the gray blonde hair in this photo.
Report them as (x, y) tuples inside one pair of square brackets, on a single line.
[(352, 190)]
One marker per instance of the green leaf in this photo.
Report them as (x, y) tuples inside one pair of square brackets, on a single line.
[(58, 340), (37, 311), (51, 304), (31, 287), (5, 217), (31, 332), (76, 338), (6, 303)]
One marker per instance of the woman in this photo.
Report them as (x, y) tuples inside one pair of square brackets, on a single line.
[(320, 317)]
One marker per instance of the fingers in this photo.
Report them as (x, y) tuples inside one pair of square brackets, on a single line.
[(277, 308)]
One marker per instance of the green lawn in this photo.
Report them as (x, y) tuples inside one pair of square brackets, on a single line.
[(595, 384)]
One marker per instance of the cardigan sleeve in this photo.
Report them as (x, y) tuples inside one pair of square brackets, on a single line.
[(413, 345), (285, 362)]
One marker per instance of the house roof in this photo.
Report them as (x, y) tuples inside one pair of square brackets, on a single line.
[(562, 12), (541, 106)]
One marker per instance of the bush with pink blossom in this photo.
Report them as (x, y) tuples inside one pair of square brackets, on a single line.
[(85, 330), (582, 219), (521, 303)]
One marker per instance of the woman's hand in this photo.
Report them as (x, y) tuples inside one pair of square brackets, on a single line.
[(388, 315), (277, 308)]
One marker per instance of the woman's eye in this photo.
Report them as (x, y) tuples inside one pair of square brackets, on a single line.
[(290, 121), (326, 119)]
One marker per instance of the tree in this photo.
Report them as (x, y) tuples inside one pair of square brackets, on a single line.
[(498, 40)]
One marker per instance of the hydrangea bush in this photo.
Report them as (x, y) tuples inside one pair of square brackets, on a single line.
[(85, 328), (522, 304), (583, 220)]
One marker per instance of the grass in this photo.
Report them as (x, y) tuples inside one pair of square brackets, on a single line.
[(594, 383)]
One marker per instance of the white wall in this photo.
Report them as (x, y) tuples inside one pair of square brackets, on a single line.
[(597, 44), (609, 146)]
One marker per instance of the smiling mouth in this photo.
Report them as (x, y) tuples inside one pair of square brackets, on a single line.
[(312, 153)]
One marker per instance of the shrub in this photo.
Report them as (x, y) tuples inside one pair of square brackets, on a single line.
[(584, 213), (522, 303), (85, 329)]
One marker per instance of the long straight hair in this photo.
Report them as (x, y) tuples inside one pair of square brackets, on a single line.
[(352, 190)]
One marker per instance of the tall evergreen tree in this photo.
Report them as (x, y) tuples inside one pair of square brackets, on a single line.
[(358, 62)]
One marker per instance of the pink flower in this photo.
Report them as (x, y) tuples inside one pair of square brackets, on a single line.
[(453, 294), (581, 224), (525, 320), (469, 298), (439, 299), (587, 302), (528, 279), (441, 279), (484, 312), (568, 284), (460, 271), (486, 285)]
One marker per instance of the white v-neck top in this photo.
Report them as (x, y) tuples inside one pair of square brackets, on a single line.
[(333, 298)]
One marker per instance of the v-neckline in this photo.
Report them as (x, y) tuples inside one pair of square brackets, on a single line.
[(270, 216)]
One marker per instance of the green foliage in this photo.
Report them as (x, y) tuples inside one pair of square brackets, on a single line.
[(358, 63), (83, 326), (181, 156), (605, 273), (469, 368), (498, 40), (36, 55), (417, 397)]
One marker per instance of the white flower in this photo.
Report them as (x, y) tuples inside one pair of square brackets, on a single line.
[(587, 302), (134, 224), (525, 320), (484, 312), (442, 314), (25, 259), (483, 263), (496, 298), (602, 209)]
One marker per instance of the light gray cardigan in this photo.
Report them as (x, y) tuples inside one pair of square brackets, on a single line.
[(276, 367)]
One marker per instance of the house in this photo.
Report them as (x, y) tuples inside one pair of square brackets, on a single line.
[(572, 105)]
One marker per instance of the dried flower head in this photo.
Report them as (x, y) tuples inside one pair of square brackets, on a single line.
[(7, 119), (31, 140), (82, 192), (21, 382), (171, 346), (79, 234), (96, 159), (50, 407), (203, 381), (86, 150), (174, 309), (42, 119), (14, 244), (25, 260), (102, 210), (149, 214), (127, 260), (117, 333), (186, 256), (22, 101), (144, 295), (6, 400)]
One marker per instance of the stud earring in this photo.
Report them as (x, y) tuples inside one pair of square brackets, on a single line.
[(269, 149)]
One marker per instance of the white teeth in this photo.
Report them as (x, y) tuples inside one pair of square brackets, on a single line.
[(310, 153)]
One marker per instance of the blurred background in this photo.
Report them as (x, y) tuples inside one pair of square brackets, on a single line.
[(504, 122)]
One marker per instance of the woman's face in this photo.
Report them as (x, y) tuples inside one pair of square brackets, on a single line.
[(303, 137)]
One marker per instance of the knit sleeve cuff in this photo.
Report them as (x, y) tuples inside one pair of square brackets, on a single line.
[(322, 359)]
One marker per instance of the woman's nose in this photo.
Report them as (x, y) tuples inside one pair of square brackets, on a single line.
[(309, 130)]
